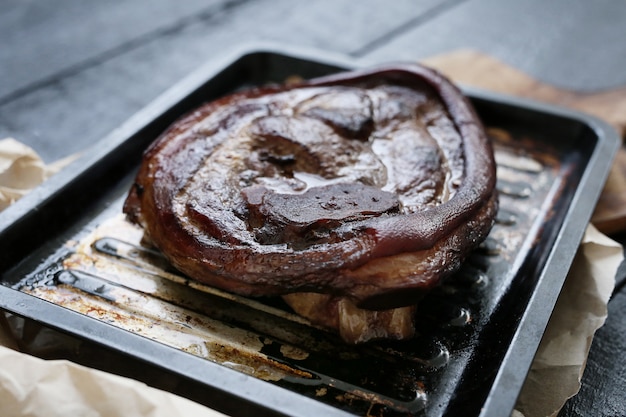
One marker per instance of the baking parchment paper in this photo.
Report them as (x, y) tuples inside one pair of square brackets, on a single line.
[(581, 309)]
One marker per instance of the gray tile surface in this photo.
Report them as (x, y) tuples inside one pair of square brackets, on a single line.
[(578, 45)]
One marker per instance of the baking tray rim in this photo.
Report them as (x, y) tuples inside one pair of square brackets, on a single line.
[(511, 374)]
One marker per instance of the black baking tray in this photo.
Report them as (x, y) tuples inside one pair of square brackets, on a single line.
[(486, 358)]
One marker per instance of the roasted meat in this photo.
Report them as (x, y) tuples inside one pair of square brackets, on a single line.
[(370, 185)]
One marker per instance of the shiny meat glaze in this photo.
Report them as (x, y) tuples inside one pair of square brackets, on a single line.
[(339, 185)]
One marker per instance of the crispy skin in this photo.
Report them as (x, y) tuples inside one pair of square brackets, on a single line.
[(371, 185)]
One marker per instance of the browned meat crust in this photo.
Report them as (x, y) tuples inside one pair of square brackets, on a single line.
[(370, 185)]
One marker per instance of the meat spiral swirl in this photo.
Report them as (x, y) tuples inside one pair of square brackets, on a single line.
[(371, 185)]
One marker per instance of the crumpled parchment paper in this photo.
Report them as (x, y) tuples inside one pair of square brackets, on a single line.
[(34, 387), (581, 309), (21, 169)]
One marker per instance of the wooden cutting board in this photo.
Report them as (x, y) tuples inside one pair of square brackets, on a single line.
[(472, 68)]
